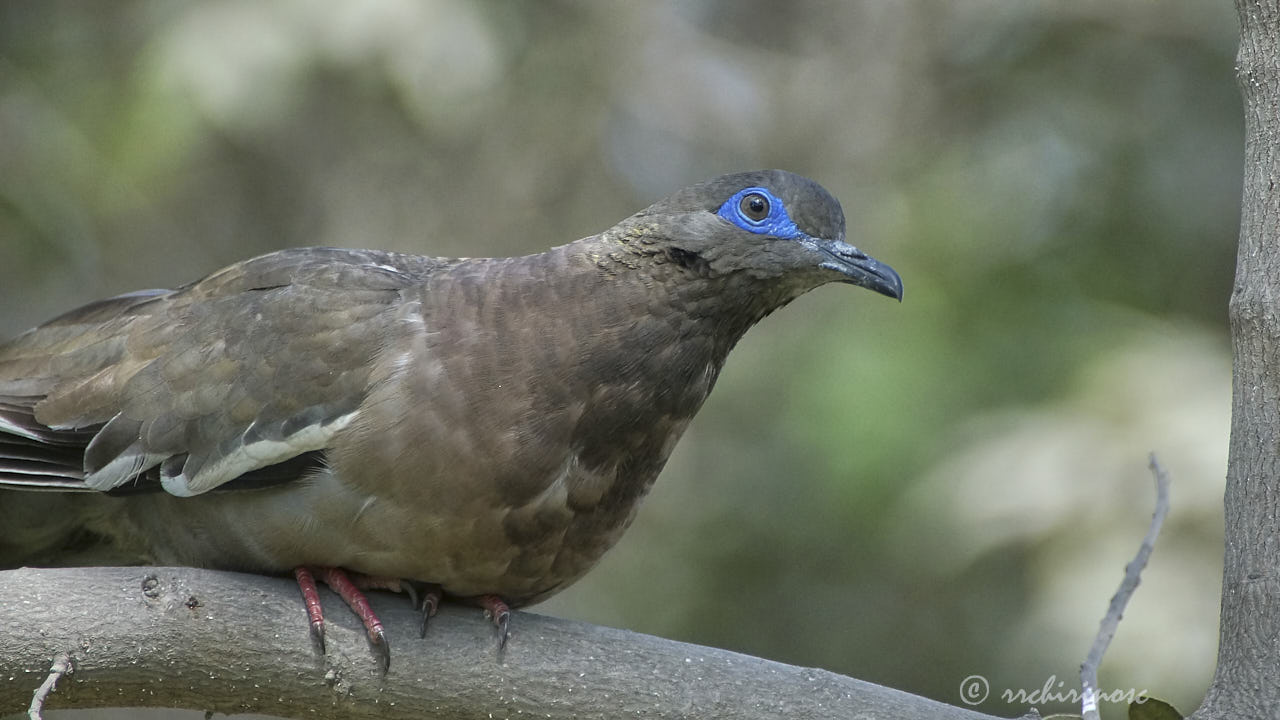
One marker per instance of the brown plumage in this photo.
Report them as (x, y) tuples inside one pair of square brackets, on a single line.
[(487, 425)]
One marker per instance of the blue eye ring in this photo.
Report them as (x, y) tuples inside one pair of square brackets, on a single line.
[(759, 211)]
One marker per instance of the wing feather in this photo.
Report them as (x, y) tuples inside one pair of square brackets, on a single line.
[(240, 374)]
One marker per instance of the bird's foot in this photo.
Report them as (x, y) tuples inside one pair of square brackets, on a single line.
[(349, 590), (497, 611), (426, 598)]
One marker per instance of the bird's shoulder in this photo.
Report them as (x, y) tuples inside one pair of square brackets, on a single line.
[(319, 268)]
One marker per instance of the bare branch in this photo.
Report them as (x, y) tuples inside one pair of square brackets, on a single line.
[(1132, 576), (234, 643), (61, 666)]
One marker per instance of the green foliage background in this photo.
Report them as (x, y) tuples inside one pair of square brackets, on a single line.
[(908, 494)]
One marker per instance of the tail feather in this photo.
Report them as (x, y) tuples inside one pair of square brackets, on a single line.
[(33, 456)]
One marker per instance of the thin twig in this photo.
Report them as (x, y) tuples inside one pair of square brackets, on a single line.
[(61, 666), (1132, 573)]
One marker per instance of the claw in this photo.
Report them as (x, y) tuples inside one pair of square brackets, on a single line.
[(497, 611), (317, 635), (425, 598), (410, 589), (431, 596), (381, 648), (503, 623)]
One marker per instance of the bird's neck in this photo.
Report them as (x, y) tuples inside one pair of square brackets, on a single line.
[(610, 309), (682, 287)]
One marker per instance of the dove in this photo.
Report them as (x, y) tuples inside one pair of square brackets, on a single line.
[(481, 429)]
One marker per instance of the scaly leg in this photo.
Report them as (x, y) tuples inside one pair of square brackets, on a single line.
[(311, 598)]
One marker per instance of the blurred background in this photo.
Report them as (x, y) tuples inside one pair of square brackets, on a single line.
[(909, 494)]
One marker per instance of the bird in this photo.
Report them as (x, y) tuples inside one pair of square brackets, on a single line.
[(479, 429)]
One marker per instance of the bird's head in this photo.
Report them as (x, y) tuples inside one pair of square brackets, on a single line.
[(768, 224)]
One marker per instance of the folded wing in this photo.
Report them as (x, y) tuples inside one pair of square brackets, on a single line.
[(246, 373)]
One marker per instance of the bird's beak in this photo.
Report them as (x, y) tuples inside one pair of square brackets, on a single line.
[(859, 268)]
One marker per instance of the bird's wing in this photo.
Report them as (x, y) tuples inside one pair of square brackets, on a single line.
[(248, 371)]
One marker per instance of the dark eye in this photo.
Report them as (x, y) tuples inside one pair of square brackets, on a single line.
[(754, 207)]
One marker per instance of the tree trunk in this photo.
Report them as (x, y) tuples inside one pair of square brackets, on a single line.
[(1246, 683)]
